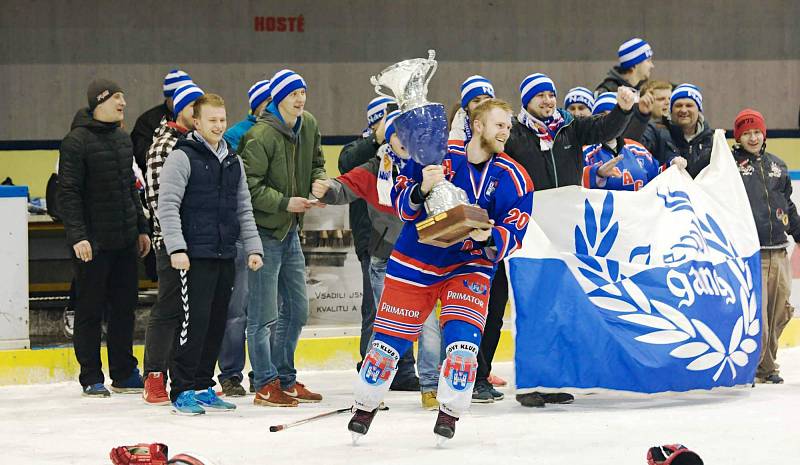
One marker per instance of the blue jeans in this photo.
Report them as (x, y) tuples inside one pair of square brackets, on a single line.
[(284, 275), (231, 355), (429, 355)]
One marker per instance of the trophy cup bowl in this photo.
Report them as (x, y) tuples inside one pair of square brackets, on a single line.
[(422, 128)]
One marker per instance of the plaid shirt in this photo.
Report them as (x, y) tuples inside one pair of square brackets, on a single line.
[(164, 139)]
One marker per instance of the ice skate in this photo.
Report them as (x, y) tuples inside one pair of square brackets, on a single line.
[(359, 424), (445, 428)]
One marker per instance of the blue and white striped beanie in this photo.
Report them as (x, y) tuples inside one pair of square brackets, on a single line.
[(605, 102), (283, 83), (474, 86), (185, 95), (376, 109), (174, 79), (579, 95), (687, 91), (633, 52), (390, 129), (257, 93), (535, 84)]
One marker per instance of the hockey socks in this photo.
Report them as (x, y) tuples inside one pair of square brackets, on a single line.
[(378, 370), (460, 366)]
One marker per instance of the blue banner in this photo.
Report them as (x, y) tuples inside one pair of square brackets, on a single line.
[(650, 291)]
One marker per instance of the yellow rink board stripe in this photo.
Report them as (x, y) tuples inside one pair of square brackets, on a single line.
[(32, 168), (28, 366)]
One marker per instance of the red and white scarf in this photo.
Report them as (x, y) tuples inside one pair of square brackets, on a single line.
[(546, 130)]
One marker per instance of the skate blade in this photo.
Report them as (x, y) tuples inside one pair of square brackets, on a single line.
[(440, 441), (355, 437)]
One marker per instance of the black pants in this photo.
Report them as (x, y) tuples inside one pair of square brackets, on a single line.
[(165, 317), (498, 297), (206, 288), (107, 283)]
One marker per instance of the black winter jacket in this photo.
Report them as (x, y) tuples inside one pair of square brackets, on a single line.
[(562, 165), (666, 141), (613, 81), (144, 129), (97, 193), (658, 141), (769, 188), (352, 155)]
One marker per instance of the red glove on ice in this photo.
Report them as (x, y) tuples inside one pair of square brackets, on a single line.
[(672, 454), (140, 454)]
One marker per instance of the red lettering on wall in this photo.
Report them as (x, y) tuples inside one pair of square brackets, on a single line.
[(279, 23)]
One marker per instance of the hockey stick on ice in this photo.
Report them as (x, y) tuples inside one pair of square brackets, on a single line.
[(276, 428)]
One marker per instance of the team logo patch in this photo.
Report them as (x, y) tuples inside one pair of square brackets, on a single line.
[(775, 170), (378, 366), (475, 287), (460, 366), (746, 169), (491, 187), (782, 216)]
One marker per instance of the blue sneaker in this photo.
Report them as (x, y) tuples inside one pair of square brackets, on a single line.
[(131, 385), (96, 390), (186, 404), (209, 400)]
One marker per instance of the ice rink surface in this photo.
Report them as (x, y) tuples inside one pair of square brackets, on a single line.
[(53, 424)]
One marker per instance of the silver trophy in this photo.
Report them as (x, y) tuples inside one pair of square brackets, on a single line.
[(422, 129)]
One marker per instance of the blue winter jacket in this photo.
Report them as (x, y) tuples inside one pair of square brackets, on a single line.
[(234, 133)]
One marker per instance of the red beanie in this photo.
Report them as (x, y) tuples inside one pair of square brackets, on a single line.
[(746, 120)]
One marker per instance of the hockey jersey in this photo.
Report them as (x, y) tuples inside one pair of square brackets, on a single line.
[(638, 167), (502, 187)]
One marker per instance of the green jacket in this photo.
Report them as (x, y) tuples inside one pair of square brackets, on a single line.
[(280, 165)]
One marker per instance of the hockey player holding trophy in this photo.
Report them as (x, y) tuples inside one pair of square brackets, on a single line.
[(465, 209)]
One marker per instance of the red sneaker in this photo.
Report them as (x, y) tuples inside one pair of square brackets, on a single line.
[(272, 396), (155, 391), (301, 394), (496, 380)]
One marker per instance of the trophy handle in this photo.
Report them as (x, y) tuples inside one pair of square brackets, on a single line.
[(433, 68), (379, 88)]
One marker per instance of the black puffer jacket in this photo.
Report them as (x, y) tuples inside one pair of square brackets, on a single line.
[(769, 188), (562, 165), (144, 129), (97, 194), (355, 154)]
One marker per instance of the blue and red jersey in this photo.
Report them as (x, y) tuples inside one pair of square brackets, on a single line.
[(638, 167), (502, 187)]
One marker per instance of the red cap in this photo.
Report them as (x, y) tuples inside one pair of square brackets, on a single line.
[(746, 120)]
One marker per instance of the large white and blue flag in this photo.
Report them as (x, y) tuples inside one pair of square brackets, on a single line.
[(650, 291)]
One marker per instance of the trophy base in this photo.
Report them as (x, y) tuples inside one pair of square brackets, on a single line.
[(452, 226)]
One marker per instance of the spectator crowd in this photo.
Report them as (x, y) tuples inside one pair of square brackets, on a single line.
[(222, 207)]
